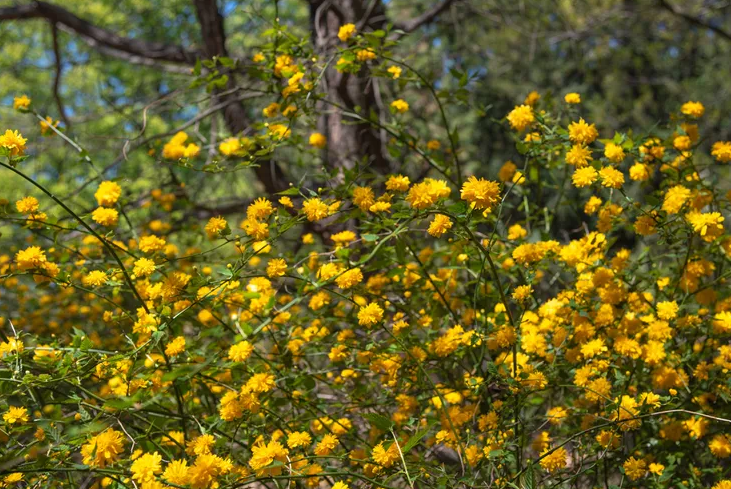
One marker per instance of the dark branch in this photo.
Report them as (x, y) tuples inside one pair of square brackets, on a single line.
[(695, 20), (269, 173), (425, 18), (98, 37), (57, 78)]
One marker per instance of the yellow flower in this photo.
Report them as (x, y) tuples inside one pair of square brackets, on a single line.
[(400, 105), (27, 205), (279, 131), (22, 102), (582, 133), (522, 292), (95, 278), (262, 382), (105, 216), (693, 109), (346, 31), (16, 415), (367, 54), (201, 445), (175, 347), (103, 449), (667, 309), (614, 153), (177, 472), (380, 207), (675, 198), (426, 193), (143, 267), (29, 258), (349, 278), (14, 478), (593, 348), (215, 226), (370, 314), (149, 244), (108, 193), (682, 143), (398, 183), (343, 237), (507, 171), (385, 457), (532, 98), (395, 72), (521, 117), (707, 224), (241, 351), (299, 439), (14, 142), (230, 146), (146, 467), (12, 346), (572, 98), (656, 468), (315, 209), (286, 202), (640, 172), (439, 225), (516, 231), (721, 150), (363, 197), (555, 460), (326, 445), (720, 446), (579, 156), (584, 177), (634, 468), (276, 267), (264, 455), (611, 177), (318, 140), (556, 415), (46, 126), (271, 110), (482, 194)]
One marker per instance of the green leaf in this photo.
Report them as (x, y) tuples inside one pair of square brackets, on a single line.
[(380, 422), (290, 191), (369, 237), (414, 440), (529, 478), (227, 62)]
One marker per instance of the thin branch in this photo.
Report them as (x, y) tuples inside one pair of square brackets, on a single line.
[(695, 20), (100, 38), (131, 144), (425, 18), (57, 78)]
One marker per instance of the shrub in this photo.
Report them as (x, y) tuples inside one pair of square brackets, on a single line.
[(564, 321)]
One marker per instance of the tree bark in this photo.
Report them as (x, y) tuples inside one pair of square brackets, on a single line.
[(350, 141), (268, 172)]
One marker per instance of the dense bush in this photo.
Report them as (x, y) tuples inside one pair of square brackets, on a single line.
[(429, 330)]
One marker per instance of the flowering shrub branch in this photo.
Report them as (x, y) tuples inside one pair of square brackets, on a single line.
[(563, 324)]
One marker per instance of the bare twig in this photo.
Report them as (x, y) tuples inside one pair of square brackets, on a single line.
[(695, 20), (425, 18), (98, 37)]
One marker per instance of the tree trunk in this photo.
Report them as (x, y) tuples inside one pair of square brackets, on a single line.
[(350, 141), (268, 172)]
